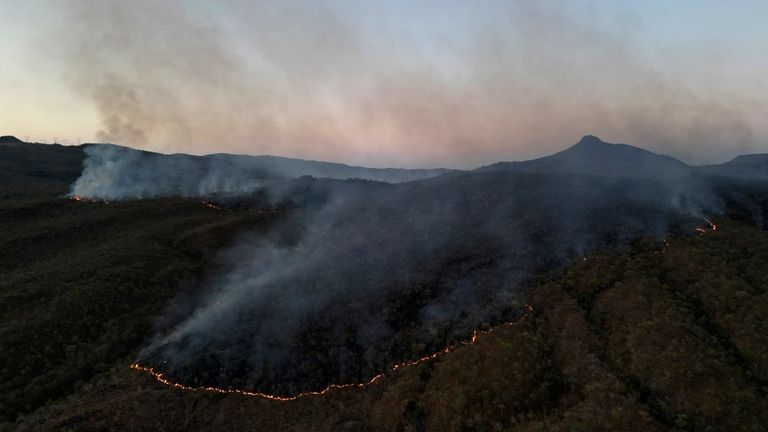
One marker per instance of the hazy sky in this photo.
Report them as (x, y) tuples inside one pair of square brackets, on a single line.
[(396, 82)]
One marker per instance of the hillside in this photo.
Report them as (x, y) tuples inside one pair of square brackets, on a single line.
[(638, 321), (115, 172), (82, 283), (643, 340), (27, 168), (747, 167), (52, 168), (592, 156)]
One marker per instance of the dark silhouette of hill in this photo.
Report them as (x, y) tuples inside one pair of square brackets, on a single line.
[(42, 168), (10, 139), (747, 167), (592, 156)]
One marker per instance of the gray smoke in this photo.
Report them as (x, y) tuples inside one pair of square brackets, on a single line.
[(372, 273), (112, 172), (298, 79)]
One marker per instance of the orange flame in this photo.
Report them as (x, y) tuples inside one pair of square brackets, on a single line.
[(162, 379), (81, 199), (473, 340), (211, 205), (704, 230)]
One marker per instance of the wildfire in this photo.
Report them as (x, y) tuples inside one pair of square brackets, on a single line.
[(211, 205), (473, 340), (81, 199), (254, 210), (162, 379), (701, 230), (704, 230), (664, 248)]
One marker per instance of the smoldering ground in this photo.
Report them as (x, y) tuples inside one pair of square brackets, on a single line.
[(371, 274)]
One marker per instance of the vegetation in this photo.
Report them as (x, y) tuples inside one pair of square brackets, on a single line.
[(656, 337), (73, 303), (640, 340), (82, 282)]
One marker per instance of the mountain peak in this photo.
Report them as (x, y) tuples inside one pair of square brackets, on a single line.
[(590, 140), (590, 144)]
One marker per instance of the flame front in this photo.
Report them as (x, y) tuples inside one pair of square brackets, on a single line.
[(704, 230), (473, 340), (211, 205), (82, 199), (162, 379)]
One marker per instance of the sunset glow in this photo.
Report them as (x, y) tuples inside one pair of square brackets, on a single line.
[(387, 83)]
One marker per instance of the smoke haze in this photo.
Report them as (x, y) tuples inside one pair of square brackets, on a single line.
[(361, 274), (435, 84), (112, 172), (372, 272), (364, 274)]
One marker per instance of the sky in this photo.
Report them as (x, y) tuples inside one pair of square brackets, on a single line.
[(388, 83)]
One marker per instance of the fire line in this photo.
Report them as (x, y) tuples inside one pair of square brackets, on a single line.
[(704, 230), (473, 340), (160, 377)]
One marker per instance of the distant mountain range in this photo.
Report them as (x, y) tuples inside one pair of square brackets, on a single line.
[(109, 167), (590, 156), (269, 166)]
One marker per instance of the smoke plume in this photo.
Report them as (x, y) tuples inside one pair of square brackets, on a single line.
[(366, 273), (115, 173), (336, 80)]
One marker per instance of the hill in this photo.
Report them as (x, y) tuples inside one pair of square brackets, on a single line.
[(52, 168), (592, 156), (638, 322), (747, 167), (115, 172), (642, 340), (27, 168), (10, 139)]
